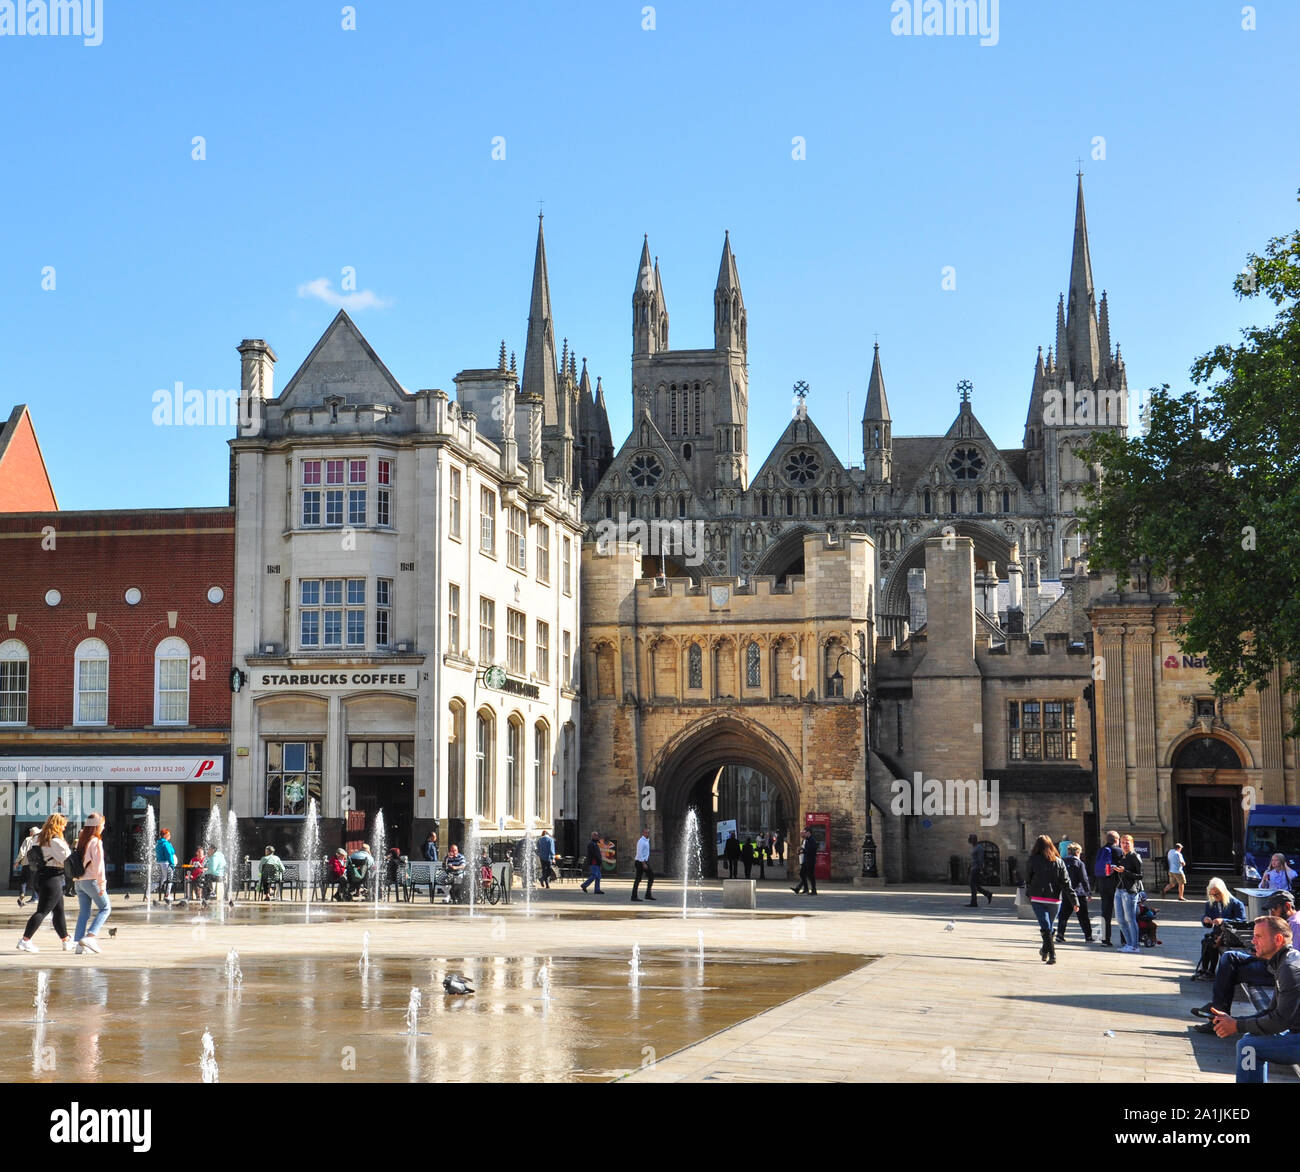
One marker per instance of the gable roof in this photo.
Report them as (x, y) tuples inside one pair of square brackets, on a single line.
[(791, 438), (920, 453), (25, 485), (656, 443), (343, 363)]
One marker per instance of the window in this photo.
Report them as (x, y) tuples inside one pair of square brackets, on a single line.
[(453, 618), (13, 682), (543, 651), (952, 501), (541, 773), (487, 537), (763, 504), (333, 471), (789, 504), (293, 777), (92, 682), (566, 565), (544, 551), (926, 507), (383, 494), (356, 506), (332, 612), (979, 500), (566, 660), (171, 696), (484, 733), (753, 666), (516, 539), (383, 611), (1006, 501), (356, 618), (357, 471), (966, 463), (453, 498), (516, 642), (514, 768), (1204, 706), (334, 506), (487, 626), (1041, 730), (695, 667), (311, 472)]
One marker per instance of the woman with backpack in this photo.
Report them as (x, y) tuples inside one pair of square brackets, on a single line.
[(1046, 882), (92, 884), (46, 858)]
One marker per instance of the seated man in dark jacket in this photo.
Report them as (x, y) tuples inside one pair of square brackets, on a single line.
[(1266, 1036)]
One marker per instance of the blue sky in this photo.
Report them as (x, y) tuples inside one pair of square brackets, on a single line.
[(373, 148)]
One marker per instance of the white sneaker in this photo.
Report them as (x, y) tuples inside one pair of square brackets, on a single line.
[(27, 946), (80, 950), (69, 946), (89, 943)]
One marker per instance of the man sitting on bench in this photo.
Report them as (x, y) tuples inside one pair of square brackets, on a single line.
[(1237, 967), (457, 870), (272, 871), (1274, 1034)]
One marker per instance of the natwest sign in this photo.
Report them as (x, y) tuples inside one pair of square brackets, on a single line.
[(142, 770), (331, 679), (1176, 662)]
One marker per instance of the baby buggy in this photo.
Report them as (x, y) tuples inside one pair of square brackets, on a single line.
[(354, 880)]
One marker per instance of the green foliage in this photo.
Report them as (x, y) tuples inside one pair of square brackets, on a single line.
[(1210, 496)]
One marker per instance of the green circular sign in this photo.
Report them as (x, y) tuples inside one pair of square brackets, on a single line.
[(495, 677)]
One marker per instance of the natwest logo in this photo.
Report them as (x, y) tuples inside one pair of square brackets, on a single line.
[(1179, 661)]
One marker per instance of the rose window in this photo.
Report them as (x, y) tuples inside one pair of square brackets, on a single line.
[(966, 463), (645, 470), (801, 468)]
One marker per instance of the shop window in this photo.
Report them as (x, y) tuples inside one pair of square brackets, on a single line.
[(91, 700), (171, 697), (293, 777), (541, 772), (14, 666)]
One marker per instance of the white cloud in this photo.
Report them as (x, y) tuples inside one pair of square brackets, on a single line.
[(323, 290)]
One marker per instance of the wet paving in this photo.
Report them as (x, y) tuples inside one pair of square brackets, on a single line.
[(328, 1019)]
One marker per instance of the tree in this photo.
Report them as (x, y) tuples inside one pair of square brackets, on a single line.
[(1210, 496)]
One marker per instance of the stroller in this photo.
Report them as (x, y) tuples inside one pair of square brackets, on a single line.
[(1146, 921), (354, 879)]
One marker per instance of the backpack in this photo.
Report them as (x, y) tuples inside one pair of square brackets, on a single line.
[(76, 865), (1101, 868), (35, 857)]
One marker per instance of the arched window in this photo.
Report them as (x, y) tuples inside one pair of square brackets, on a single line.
[(686, 450), (13, 682), (456, 760), (484, 772), (839, 503), (515, 768), (674, 410), (875, 437), (90, 704), (763, 503), (816, 504), (657, 506), (609, 506), (681, 505), (542, 773), (631, 506), (753, 666), (695, 667), (927, 501), (1006, 501), (171, 682), (952, 501), (789, 504), (979, 500)]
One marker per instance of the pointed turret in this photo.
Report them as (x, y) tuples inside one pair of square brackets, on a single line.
[(662, 324), (1081, 314), (602, 420), (1060, 355), (1103, 337), (877, 439), (541, 376), (1034, 420), (646, 304), (728, 304)]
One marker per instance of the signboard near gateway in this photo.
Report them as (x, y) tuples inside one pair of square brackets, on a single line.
[(136, 770)]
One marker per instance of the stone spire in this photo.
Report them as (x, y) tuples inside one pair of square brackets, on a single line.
[(1081, 327), (663, 309), (501, 358), (1103, 334), (877, 438), (646, 304), (1034, 422), (541, 376), (877, 404), (1061, 354), (728, 304)]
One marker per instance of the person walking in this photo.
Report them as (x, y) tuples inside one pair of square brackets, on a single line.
[(165, 856), (731, 852), (780, 845), (976, 871), (1177, 872), (1045, 883), (546, 856), (593, 863), (1126, 897), (807, 864), (1104, 870), (26, 876), (92, 887), (1078, 874), (643, 870), (46, 857), (760, 851), (747, 857)]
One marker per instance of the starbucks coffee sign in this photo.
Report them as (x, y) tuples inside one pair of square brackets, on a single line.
[(497, 679), (332, 679)]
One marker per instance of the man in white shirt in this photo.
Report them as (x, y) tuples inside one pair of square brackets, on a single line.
[(643, 866), (1177, 872)]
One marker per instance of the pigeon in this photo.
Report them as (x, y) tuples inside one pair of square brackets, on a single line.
[(950, 926), (456, 984), (112, 932)]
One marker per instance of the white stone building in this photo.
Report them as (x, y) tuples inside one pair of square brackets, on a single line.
[(390, 548)]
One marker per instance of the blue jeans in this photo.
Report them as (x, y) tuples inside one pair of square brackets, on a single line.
[(593, 876), (1045, 912), (1126, 909), (88, 893), (1237, 968), (1256, 1051)]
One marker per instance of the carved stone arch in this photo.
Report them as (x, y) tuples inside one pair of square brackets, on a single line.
[(784, 557), (991, 545), (1224, 736)]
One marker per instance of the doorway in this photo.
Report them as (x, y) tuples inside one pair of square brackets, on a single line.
[(1212, 827), (381, 775)]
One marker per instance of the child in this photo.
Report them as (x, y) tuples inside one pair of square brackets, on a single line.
[(1146, 918)]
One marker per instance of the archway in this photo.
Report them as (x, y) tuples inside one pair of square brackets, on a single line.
[(784, 559), (696, 768), (1208, 776), (990, 546)]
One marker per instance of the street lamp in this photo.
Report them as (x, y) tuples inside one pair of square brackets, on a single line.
[(869, 869)]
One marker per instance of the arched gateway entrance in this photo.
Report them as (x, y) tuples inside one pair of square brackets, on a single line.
[(725, 766)]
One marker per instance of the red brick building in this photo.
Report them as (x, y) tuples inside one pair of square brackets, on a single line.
[(24, 480), (115, 658)]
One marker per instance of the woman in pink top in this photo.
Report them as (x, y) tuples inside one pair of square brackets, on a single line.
[(92, 887)]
